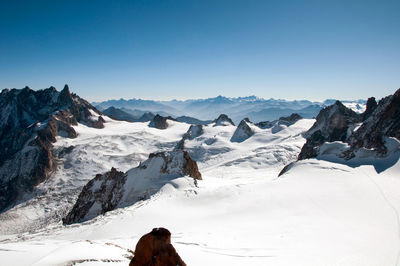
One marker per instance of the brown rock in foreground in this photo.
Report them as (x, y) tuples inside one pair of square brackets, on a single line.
[(155, 249)]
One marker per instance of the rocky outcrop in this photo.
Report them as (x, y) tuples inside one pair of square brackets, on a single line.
[(383, 122), (333, 123), (371, 106), (29, 123), (223, 120), (243, 131), (193, 132), (155, 249), (160, 122), (102, 193), (116, 189), (368, 130)]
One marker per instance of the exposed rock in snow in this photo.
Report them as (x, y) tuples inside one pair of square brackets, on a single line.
[(100, 195), (383, 122), (193, 132), (29, 123), (339, 136), (223, 120), (333, 123), (243, 131), (371, 106), (117, 189), (155, 248), (160, 122)]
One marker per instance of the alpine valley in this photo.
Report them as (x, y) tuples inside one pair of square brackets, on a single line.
[(237, 181)]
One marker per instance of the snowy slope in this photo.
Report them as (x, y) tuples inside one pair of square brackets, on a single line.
[(318, 213), (120, 144)]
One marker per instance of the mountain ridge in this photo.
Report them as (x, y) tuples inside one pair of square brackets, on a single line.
[(255, 108)]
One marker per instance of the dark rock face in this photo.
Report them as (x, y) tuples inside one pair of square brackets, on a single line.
[(29, 123), (371, 106), (223, 120), (155, 249), (104, 190), (243, 131), (383, 122), (160, 122), (333, 124), (116, 189)]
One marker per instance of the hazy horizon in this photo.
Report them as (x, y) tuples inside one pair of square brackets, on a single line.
[(291, 49)]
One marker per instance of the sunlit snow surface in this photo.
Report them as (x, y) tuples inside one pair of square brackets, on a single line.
[(318, 213)]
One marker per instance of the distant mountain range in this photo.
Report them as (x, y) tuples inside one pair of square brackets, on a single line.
[(255, 108), (141, 116)]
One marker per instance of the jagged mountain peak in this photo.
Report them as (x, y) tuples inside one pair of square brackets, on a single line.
[(383, 121), (333, 123), (368, 130), (243, 131), (29, 123)]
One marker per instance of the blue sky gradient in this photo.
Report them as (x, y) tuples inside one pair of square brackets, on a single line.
[(195, 49)]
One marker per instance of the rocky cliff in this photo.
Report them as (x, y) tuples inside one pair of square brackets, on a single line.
[(333, 123), (30, 121), (117, 189), (382, 121), (368, 130)]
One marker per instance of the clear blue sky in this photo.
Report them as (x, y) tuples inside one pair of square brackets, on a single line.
[(195, 49)]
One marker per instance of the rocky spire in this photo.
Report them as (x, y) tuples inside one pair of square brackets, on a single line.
[(371, 106)]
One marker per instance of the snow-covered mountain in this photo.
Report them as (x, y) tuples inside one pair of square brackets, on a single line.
[(373, 134), (30, 121), (323, 210), (256, 109), (117, 189)]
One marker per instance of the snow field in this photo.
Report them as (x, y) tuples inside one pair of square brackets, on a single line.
[(318, 213)]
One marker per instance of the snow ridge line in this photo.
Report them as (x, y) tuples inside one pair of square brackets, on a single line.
[(392, 207)]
